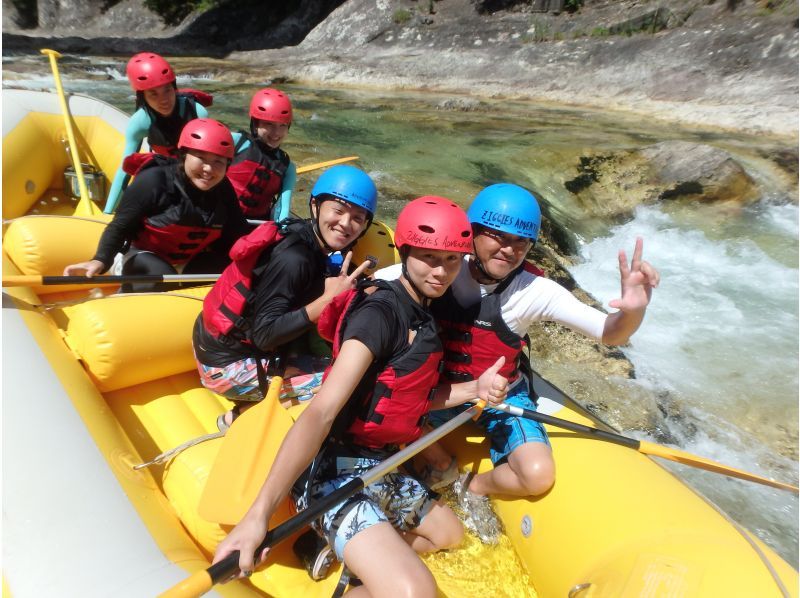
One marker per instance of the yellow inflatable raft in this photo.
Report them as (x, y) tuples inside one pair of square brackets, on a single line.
[(94, 385)]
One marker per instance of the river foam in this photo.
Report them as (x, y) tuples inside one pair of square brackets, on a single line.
[(720, 342)]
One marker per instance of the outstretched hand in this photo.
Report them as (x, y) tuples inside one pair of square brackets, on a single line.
[(89, 269), (492, 386), (637, 280)]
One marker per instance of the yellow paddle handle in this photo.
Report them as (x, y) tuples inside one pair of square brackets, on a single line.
[(311, 167), (680, 456), (21, 281), (197, 584), (85, 203)]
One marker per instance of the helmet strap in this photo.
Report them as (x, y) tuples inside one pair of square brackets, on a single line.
[(483, 274), (423, 299)]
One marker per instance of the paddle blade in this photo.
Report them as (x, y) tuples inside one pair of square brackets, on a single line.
[(243, 462), (310, 167), (648, 448), (377, 242)]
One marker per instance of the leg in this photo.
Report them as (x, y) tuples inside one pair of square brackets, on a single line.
[(521, 452), (386, 565), (529, 471), (206, 262), (439, 529), (148, 263)]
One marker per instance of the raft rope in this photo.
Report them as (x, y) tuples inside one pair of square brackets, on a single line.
[(167, 455)]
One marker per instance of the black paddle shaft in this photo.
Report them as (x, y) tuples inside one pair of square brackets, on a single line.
[(230, 564), (568, 425)]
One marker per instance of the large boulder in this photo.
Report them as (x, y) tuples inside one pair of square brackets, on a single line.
[(612, 185)]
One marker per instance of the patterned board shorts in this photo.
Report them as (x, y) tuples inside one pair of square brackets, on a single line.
[(506, 432), (238, 381), (396, 498)]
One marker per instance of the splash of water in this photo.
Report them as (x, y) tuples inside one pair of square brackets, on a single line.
[(721, 338)]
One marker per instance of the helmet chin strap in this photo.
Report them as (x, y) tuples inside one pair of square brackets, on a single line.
[(423, 299), (483, 273)]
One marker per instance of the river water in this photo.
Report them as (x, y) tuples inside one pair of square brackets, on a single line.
[(719, 346)]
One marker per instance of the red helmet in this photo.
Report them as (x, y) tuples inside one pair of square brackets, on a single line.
[(271, 105), (434, 222), (147, 70), (207, 135)]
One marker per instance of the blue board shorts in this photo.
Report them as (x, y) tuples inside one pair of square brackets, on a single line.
[(398, 499), (506, 432)]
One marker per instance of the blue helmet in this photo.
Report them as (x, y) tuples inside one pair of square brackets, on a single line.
[(349, 184), (507, 208)]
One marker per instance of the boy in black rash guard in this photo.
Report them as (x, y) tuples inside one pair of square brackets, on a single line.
[(176, 215), (239, 333), (386, 357)]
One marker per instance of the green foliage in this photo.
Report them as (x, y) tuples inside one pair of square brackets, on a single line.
[(401, 16), (573, 5), (600, 32), (542, 31), (174, 11)]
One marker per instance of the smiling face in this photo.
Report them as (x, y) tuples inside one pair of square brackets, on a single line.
[(340, 223), (271, 133), (432, 271), (161, 99), (499, 253), (204, 169)]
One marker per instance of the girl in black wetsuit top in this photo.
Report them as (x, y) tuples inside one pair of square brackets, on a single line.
[(177, 214), (238, 333)]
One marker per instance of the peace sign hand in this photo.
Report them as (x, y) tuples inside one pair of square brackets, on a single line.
[(637, 281), (335, 285)]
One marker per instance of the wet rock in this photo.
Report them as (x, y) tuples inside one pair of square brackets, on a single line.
[(612, 185), (698, 171), (459, 104)]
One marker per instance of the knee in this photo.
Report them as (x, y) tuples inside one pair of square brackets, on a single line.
[(416, 582), (537, 476), (447, 532), (450, 533)]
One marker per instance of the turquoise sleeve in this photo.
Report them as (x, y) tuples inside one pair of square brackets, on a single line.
[(201, 110), (138, 126), (236, 138), (284, 203)]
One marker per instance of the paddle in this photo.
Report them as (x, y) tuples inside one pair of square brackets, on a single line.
[(85, 206), (647, 448), (310, 167), (36, 280), (202, 581)]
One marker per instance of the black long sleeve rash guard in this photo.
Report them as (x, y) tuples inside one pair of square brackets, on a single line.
[(286, 280), (163, 192)]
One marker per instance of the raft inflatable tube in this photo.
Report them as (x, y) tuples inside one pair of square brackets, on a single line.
[(95, 385)]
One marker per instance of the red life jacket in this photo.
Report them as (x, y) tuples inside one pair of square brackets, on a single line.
[(474, 337), (166, 234), (165, 142), (257, 177), (392, 407), (224, 306)]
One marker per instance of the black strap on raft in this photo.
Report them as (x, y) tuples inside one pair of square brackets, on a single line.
[(525, 369)]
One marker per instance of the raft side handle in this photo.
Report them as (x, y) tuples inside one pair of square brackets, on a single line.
[(578, 588)]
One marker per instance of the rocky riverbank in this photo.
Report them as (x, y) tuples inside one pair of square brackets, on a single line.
[(724, 64)]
